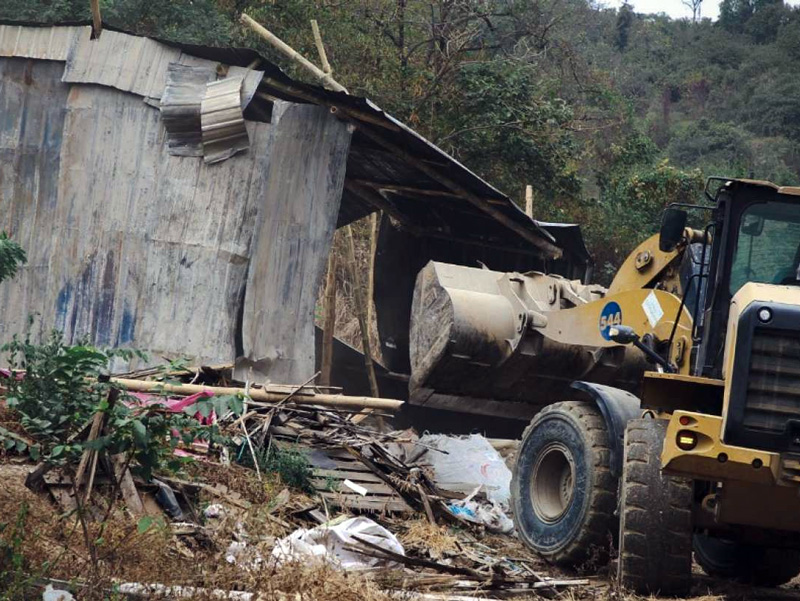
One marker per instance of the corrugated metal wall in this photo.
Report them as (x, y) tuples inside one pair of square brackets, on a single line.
[(134, 247)]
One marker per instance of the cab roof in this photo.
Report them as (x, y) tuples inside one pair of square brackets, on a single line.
[(792, 190)]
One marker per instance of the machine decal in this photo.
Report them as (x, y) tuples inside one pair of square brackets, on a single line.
[(611, 315), (652, 308)]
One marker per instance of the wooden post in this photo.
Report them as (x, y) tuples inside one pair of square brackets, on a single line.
[(529, 201), (361, 311), (293, 54), (97, 20), (330, 317)]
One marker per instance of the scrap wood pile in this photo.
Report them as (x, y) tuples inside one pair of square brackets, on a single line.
[(422, 534)]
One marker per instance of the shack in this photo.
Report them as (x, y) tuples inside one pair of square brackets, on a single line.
[(182, 200)]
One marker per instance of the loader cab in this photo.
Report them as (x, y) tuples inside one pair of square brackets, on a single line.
[(756, 238)]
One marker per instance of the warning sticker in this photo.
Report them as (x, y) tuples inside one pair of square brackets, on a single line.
[(652, 308)]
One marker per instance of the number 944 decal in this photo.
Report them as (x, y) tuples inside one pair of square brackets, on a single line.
[(611, 315)]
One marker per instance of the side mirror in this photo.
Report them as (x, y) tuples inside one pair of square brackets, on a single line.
[(752, 225), (622, 334), (672, 225)]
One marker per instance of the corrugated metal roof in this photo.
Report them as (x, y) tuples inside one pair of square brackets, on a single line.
[(180, 108), (123, 61), (222, 122), (139, 65), (47, 43), (141, 68)]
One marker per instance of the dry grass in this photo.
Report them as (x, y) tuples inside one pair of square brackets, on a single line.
[(424, 538), (55, 546)]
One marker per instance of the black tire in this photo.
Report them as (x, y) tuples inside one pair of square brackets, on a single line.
[(747, 564), (570, 525), (655, 529)]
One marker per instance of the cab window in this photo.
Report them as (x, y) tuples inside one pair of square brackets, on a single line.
[(767, 245)]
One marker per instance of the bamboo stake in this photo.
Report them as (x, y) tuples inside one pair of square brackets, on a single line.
[(323, 56), (293, 54), (266, 398), (330, 318), (529, 201), (361, 311), (373, 246)]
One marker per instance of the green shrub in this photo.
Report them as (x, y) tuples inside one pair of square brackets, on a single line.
[(11, 257), (63, 388)]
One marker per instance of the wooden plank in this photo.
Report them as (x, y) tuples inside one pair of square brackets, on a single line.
[(378, 488), (126, 485), (340, 454), (353, 466), (353, 475), (368, 503)]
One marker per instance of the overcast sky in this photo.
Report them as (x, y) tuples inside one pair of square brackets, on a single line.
[(674, 8)]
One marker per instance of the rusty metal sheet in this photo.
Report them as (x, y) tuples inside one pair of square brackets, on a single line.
[(180, 108), (222, 121), (49, 43)]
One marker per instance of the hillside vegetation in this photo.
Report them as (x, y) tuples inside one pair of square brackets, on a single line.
[(609, 114)]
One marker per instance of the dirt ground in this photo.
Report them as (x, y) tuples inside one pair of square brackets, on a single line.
[(56, 543)]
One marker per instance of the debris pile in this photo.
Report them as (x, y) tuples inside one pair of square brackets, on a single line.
[(307, 476)]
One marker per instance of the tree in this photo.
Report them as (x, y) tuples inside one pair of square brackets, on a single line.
[(622, 31), (513, 132), (694, 6)]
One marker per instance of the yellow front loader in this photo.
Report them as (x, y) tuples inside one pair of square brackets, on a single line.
[(666, 408)]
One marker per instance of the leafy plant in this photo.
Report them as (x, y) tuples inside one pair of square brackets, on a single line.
[(11, 257), (14, 576), (56, 390), (291, 465)]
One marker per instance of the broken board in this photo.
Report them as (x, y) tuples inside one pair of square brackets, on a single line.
[(341, 479)]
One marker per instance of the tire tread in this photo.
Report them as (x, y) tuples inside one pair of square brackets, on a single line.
[(594, 532), (655, 517)]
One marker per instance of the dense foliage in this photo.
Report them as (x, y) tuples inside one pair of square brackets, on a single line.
[(56, 389), (608, 113), (11, 257)]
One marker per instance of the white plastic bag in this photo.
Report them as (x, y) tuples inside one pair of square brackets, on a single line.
[(489, 514), (51, 594), (330, 543), (468, 462)]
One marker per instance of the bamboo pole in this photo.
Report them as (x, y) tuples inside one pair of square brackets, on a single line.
[(373, 246), (323, 56), (330, 318), (529, 201), (293, 54), (262, 397), (361, 312)]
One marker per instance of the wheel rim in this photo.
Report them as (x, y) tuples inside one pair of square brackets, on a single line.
[(553, 482)]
